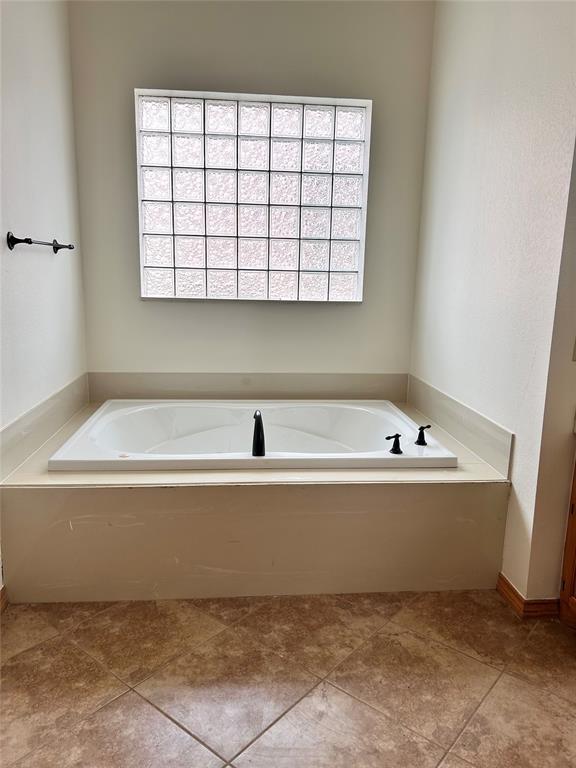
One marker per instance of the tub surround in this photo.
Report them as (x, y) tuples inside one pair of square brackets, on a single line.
[(142, 535), (493, 442), (107, 542), (25, 435), (34, 471), (237, 386)]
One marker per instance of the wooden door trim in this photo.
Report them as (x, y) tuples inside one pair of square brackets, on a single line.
[(568, 587)]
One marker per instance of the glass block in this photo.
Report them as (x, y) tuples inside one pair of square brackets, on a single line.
[(187, 115), (188, 184), (318, 121), (283, 286), (252, 187), (318, 156), (287, 120), (286, 155), (189, 218), (221, 220), (221, 252), (157, 217), (343, 287), (253, 220), (154, 113), (155, 148), (221, 117), (220, 152), (190, 252), (187, 150), (254, 153), (313, 286), (347, 190), (254, 119), (191, 283), (314, 255), (316, 190), (252, 254), (345, 223), (221, 284), (284, 222), (252, 285), (157, 251), (350, 122), (344, 256), (221, 186), (284, 254), (285, 188), (156, 184), (158, 283), (316, 223), (348, 157)]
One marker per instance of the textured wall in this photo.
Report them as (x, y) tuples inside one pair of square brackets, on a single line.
[(499, 154), (42, 315)]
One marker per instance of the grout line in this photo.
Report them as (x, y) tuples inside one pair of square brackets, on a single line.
[(483, 699), (176, 656), (387, 716), (268, 727), (180, 725), (429, 639)]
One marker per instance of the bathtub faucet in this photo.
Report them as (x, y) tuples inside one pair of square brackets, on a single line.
[(258, 444)]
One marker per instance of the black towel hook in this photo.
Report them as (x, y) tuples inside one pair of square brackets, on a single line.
[(12, 240)]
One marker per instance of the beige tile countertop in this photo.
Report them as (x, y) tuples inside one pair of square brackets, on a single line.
[(34, 471)]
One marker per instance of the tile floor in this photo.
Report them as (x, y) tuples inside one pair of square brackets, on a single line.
[(400, 680)]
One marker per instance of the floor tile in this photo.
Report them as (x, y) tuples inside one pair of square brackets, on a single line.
[(230, 609), (21, 627), (134, 639), (451, 761), (45, 690), (315, 631), (477, 622), (548, 659), (329, 729), (127, 733), (520, 726), (428, 687), (66, 616), (386, 603), (227, 691)]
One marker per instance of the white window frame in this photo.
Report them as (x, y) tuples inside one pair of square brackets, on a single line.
[(271, 99)]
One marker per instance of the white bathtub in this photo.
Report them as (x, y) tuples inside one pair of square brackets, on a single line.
[(202, 434)]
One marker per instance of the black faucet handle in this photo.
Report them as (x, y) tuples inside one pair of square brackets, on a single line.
[(258, 441), (396, 444), (421, 439)]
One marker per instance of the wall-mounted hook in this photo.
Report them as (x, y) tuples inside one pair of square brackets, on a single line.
[(12, 240)]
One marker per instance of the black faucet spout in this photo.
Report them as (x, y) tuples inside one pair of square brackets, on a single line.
[(258, 442)]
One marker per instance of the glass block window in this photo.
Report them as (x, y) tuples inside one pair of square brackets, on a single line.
[(251, 197)]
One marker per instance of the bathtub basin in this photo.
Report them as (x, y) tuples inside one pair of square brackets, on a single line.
[(202, 434)]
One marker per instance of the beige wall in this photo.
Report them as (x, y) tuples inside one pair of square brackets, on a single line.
[(344, 49), (499, 153), (41, 295)]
